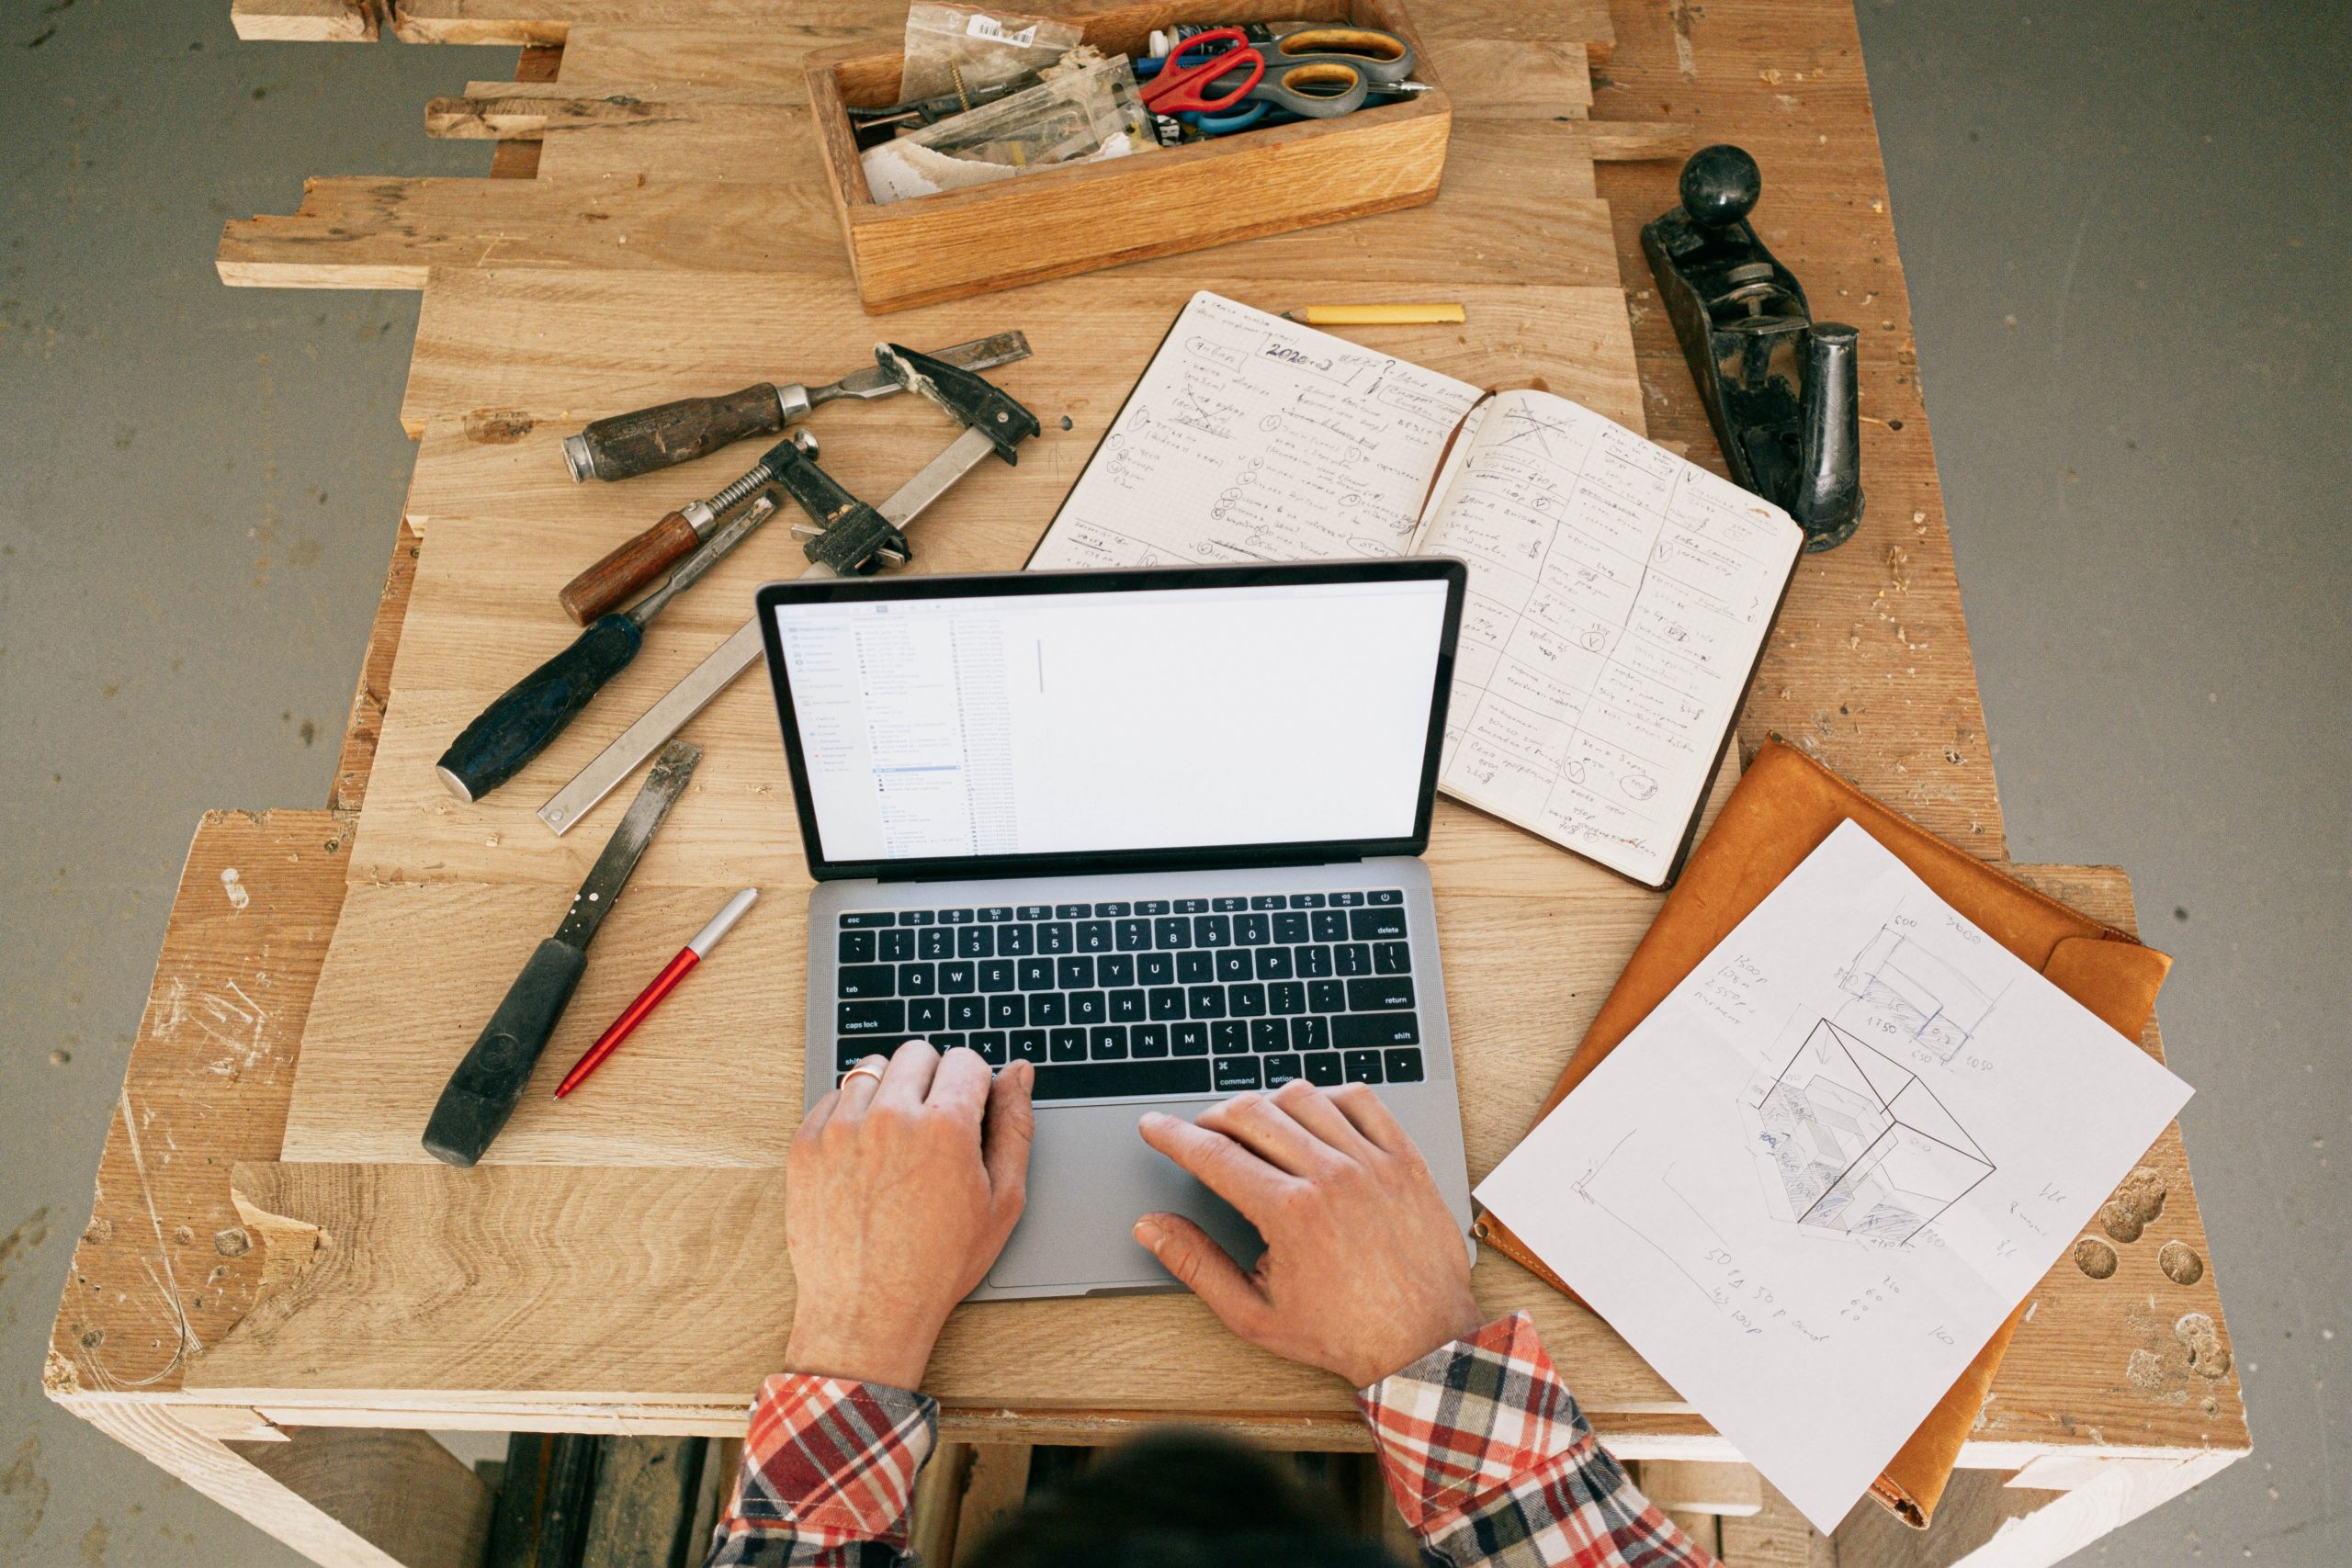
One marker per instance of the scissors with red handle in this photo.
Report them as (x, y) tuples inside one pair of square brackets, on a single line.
[(1206, 82)]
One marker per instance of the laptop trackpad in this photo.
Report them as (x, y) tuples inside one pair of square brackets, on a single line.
[(1090, 1177)]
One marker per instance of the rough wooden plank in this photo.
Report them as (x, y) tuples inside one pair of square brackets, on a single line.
[(1698, 1488), (995, 1485), (365, 726), (1869, 669), (643, 1516), (402, 1492), (1777, 1536), (308, 21)]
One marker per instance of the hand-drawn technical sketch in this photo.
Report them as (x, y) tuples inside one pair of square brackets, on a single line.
[(1848, 1140), (1935, 1004)]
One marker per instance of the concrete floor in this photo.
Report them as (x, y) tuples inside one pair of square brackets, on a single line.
[(2127, 247)]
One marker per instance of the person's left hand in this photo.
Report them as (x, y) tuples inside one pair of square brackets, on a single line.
[(898, 1196)]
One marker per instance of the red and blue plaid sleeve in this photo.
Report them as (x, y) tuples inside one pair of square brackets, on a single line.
[(828, 1470), (1493, 1465)]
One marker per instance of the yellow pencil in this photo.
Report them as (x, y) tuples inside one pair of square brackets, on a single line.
[(1375, 315)]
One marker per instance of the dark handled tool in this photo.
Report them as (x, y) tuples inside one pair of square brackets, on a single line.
[(1779, 387), (625, 445), (994, 426), (481, 1095), (532, 712)]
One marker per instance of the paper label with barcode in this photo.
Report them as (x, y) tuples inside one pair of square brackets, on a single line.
[(989, 27)]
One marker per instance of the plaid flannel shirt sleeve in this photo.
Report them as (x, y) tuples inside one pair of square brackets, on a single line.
[(828, 1470), (1493, 1465)]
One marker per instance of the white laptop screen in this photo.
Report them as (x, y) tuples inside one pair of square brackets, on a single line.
[(1012, 724)]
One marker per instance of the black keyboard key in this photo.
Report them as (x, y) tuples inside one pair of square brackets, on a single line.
[(1093, 936), (1192, 906), (1118, 909), (1227, 905), (1066, 1046), (996, 975), (1165, 1003), (1401, 1064), (1312, 962), (1151, 906), (1329, 925), (957, 978), (1089, 1007), (997, 912), (1233, 963), (1036, 974), (1035, 911), (1385, 896), (1382, 995), (1352, 958), (1147, 1040), (1229, 1037), (1281, 1070), (1392, 958), (1266, 901), (1205, 1001), (1074, 974), (1047, 1009), (1251, 930), (1376, 925), (1268, 1034), (1189, 1039), (1028, 1046), (1132, 936), (1290, 926), (1327, 995), (918, 980), (1195, 968), (1347, 901), (865, 920), (870, 1018), (1006, 1012), (1273, 963), (1174, 932), (896, 946), (1154, 968), (1121, 1079), (1211, 931), (1055, 936), (1237, 1073), (1360, 1066), (865, 980), (935, 942), (990, 1045), (856, 947), (1246, 1002), (955, 916), (1311, 1032), (1357, 1031), (1107, 1042), (1016, 940), (976, 941), (943, 1043), (1287, 997), (1324, 1068), (850, 1053), (1127, 1007), (915, 917), (1114, 969), (925, 1014), (967, 1012), (1307, 900), (1071, 911)]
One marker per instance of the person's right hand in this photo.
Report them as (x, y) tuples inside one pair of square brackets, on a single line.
[(1365, 1270)]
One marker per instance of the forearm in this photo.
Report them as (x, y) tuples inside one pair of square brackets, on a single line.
[(1493, 1466), (829, 1472)]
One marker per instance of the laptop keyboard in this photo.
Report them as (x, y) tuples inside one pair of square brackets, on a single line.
[(1142, 997)]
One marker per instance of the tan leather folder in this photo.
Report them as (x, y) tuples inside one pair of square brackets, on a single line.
[(1785, 805)]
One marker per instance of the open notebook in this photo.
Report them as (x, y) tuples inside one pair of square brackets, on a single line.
[(1618, 596)]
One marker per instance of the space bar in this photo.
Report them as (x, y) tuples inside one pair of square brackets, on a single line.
[(1100, 1079)]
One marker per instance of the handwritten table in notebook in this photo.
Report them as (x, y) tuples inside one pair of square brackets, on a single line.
[(201, 1326)]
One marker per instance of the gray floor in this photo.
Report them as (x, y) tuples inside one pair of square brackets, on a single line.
[(2127, 245)]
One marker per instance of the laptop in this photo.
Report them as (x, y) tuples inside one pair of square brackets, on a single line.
[(1155, 831)]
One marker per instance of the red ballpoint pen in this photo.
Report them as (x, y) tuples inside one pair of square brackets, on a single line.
[(678, 969)]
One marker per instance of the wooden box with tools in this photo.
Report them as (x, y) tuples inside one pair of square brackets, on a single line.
[(1083, 216)]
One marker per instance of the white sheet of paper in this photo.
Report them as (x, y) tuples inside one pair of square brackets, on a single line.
[(1810, 1186)]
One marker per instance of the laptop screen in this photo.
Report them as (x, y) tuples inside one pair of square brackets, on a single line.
[(988, 725)]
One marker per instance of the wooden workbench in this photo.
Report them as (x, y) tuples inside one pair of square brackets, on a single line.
[(277, 1334)]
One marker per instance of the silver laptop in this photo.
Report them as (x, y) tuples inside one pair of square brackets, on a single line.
[(1155, 831)]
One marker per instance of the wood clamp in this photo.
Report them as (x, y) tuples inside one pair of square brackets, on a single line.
[(1779, 387)]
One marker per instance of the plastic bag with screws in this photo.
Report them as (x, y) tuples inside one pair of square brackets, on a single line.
[(1086, 108), (957, 49)]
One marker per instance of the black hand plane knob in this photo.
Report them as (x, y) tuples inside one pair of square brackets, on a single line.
[(1781, 388)]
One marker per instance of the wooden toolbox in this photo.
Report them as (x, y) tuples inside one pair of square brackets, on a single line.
[(1080, 217)]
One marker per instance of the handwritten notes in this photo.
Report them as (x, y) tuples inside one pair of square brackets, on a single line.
[(1618, 597), (1253, 438), (1809, 1187)]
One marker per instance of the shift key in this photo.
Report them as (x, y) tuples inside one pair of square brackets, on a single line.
[(1364, 1031)]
